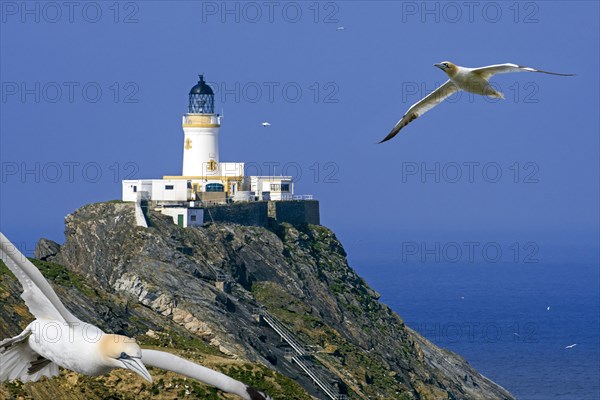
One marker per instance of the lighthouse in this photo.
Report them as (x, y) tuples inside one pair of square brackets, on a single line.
[(205, 181), (201, 133)]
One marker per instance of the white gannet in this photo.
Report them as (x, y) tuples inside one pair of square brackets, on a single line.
[(56, 338), (571, 346), (474, 80), (266, 124)]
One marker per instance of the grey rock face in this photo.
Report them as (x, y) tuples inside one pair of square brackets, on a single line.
[(46, 250), (300, 274)]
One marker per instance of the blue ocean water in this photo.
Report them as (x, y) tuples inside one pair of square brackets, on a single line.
[(497, 318)]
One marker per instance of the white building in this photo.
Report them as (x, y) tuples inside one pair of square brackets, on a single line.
[(163, 191), (185, 216), (204, 179), (274, 188)]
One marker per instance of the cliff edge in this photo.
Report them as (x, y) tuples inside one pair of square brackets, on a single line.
[(213, 294)]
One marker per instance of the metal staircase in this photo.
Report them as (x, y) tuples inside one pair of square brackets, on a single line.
[(284, 332), (306, 365), (302, 358)]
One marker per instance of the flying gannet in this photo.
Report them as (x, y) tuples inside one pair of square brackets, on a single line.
[(474, 80), (56, 338), (265, 124)]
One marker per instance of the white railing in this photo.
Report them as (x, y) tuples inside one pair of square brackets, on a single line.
[(276, 196), (302, 197), (283, 332), (314, 374), (201, 119)]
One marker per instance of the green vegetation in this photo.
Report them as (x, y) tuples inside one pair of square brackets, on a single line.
[(4, 270), (63, 277), (277, 385), (194, 346)]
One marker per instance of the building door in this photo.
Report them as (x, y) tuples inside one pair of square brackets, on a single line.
[(180, 220)]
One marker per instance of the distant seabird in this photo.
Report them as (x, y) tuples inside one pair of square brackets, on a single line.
[(56, 338), (266, 124), (473, 80), (571, 346), (340, 28)]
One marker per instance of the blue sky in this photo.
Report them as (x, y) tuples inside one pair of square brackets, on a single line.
[(94, 94)]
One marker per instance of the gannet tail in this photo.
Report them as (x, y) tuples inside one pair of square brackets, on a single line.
[(19, 361)]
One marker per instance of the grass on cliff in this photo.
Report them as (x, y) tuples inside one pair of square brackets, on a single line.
[(122, 384), (63, 277), (367, 373)]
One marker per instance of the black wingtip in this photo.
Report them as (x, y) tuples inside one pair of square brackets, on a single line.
[(255, 394), (554, 73), (388, 137)]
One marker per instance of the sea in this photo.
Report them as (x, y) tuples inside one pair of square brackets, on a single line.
[(533, 329)]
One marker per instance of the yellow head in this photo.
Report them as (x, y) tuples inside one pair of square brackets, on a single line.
[(448, 67), (123, 352)]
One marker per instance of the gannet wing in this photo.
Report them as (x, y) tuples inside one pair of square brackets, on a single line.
[(422, 106), (39, 296), (19, 361), (171, 362), (490, 70)]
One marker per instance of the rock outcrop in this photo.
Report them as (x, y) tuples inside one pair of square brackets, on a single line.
[(207, 283)]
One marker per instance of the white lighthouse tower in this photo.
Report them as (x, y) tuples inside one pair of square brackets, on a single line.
[(201, 133)]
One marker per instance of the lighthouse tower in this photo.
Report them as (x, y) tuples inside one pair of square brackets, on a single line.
[(201, 133)]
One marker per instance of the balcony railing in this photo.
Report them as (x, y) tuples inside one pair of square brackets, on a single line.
[(302, 197), (208, 119)]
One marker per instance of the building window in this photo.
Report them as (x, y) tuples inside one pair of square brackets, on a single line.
[(280, 187), (215, 187), (134, 189), (192, 218), (169, 187)]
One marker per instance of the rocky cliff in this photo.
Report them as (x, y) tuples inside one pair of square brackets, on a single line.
[(201, 291)]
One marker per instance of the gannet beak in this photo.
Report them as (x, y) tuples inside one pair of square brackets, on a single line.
[(135, 365), (440, 66)]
